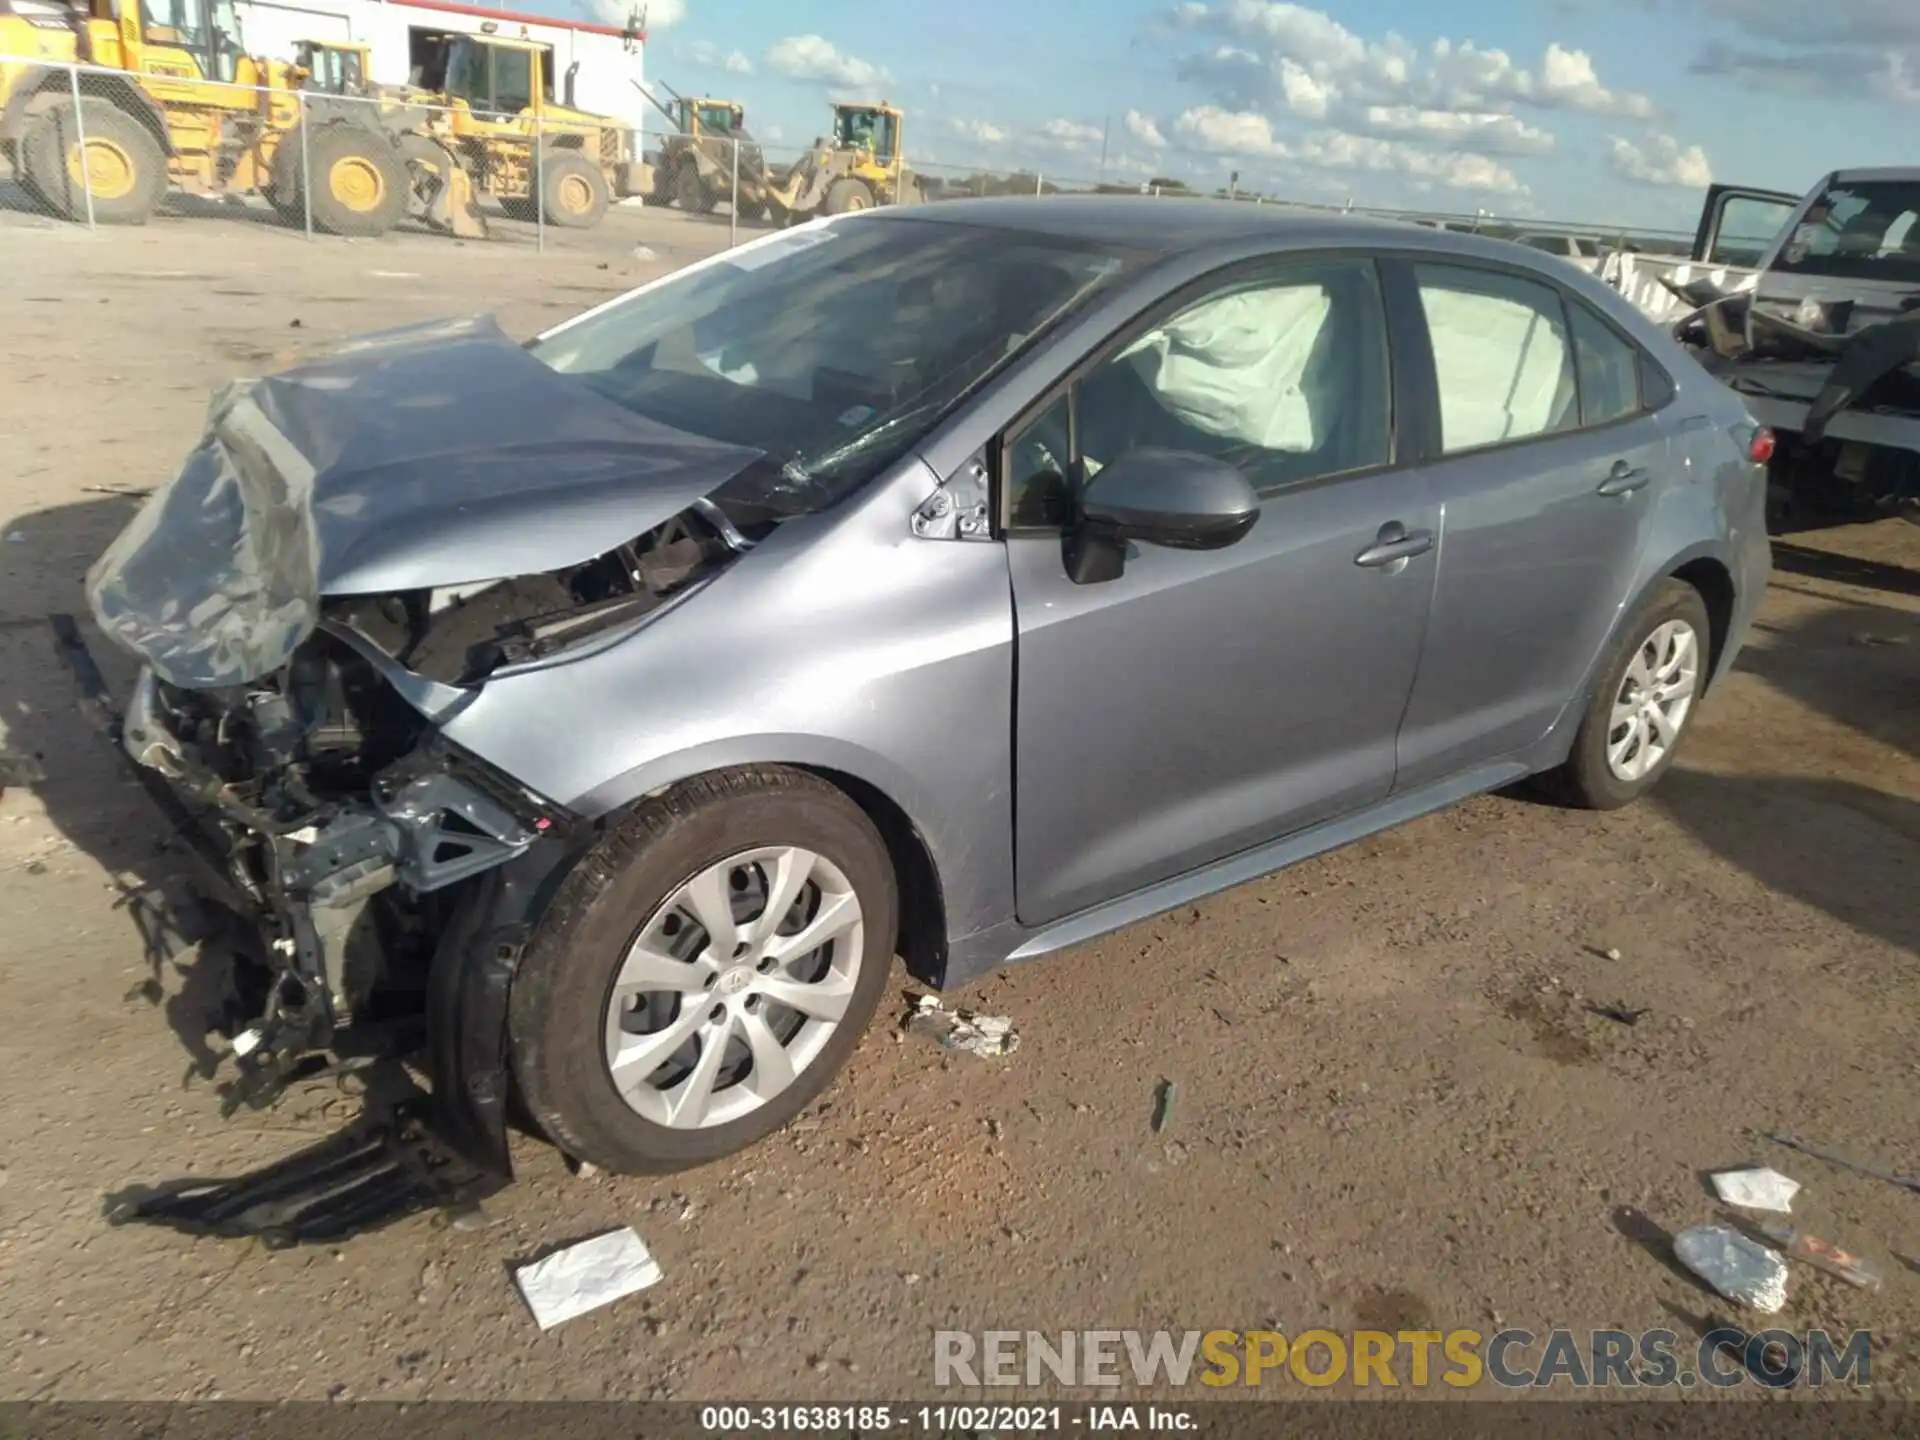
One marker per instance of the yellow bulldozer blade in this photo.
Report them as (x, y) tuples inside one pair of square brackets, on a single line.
[(463, 215)]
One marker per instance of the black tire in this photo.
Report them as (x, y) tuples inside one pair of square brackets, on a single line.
[(690, 192), (846, 194), (576, 192), (137, 163), (557, 1011), (1586, 780), (359, 181), (750, 210)]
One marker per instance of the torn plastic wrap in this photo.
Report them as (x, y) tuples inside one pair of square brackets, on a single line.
[(440, 454)]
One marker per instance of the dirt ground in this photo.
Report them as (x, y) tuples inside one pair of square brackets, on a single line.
[(1397, 1104)]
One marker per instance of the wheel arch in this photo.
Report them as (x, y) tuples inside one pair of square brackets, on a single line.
[(1711, 578), (884, 794)]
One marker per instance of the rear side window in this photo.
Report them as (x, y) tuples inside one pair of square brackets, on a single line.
[(1501, 354), (1609, 369)]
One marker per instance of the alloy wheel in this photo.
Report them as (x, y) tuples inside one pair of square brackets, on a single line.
[(733, 987), (1655, 697)]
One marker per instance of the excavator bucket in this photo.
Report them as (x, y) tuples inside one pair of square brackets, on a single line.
[(443, 194)]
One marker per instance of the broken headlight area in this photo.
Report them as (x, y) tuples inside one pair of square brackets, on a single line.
[(342, 826)]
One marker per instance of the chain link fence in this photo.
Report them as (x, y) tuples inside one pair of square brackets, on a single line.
[(100, 147)]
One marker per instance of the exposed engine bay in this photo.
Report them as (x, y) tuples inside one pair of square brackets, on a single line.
[(342, 826)]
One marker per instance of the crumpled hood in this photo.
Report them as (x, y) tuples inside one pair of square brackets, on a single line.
[(438, 454)]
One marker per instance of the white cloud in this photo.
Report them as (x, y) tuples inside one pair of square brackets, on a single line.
[(980, 130), (1867, 48), (657, 14), (1568, 80), (1661, 161), (1070, 134), (774, 132), (1142, 128), (1486, 130), (814, 59), (1301, 59), (1242, 133), (705, 52)]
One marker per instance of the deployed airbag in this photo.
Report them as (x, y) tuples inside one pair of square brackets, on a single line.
[(434, 455), (1505, 369), (1238, 367)]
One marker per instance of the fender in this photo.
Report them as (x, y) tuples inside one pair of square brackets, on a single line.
[(40, 88), (1560, 735)]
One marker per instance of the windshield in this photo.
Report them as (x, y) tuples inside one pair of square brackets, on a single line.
[(833, 348), (1859, 231), (716, 118)]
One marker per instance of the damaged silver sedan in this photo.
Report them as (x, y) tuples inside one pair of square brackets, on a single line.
[(600, 717)]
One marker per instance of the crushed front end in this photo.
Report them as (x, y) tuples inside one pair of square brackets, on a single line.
[(323, 585)]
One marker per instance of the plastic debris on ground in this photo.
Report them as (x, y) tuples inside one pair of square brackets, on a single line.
[(1743, 1270), (586, 1276), (977, 1034), (1756, 1189), (1821, 1255)]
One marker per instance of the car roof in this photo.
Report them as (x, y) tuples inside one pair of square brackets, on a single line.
[(1169, 225)]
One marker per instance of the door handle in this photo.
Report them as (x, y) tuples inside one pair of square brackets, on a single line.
[(1623, 479), (1394, 543)]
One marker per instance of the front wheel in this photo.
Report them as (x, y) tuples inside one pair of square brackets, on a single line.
[(704, 971), (1643, 704)]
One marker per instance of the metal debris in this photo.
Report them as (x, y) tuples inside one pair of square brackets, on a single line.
[(977, 1034), (1905, 1182), (1756, 1189), (1164, 1094), (585, 1276), (1822, 1255), (1743, 1270)]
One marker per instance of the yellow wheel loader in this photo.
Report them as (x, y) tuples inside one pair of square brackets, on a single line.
[(501, 122), (161, 107), (441, 192), (695, 167), (859, 166)]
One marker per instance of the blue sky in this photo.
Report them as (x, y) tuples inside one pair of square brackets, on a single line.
[(1608, 111)]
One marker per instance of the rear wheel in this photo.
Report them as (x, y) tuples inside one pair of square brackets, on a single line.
[(848, 193), (704, 971), (359, 182), (1643, 704), (690, 192), (123, 166), (576, 192)]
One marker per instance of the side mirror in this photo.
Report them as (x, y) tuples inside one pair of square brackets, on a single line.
[(1157, 497)]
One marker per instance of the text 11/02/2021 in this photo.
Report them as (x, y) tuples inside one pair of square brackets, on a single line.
[(872, 1419)]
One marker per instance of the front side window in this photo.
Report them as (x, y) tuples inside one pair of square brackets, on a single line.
[(512, 80), (833, 348), (1748, 225), (1285, 378), (1501, 355)]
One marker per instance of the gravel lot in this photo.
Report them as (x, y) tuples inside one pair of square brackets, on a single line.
[(1397, 1105)]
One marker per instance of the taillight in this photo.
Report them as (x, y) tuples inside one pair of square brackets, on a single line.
[(1760, 446)]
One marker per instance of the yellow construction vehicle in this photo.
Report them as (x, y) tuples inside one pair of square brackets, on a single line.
[(499, 102), (696, 168), (860, 166), (442, 192), (162, 105)]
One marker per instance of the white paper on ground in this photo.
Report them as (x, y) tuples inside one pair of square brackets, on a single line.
[(1756, 1189), (586, 1276)]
